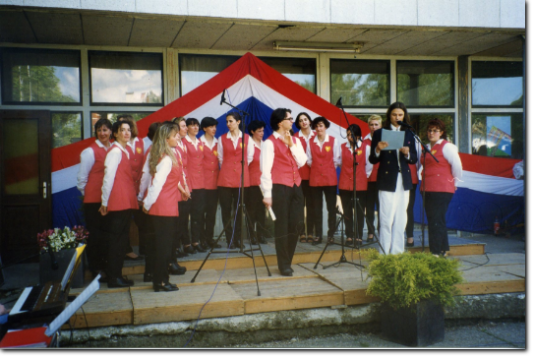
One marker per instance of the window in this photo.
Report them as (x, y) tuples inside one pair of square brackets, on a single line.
[(198, 69), (425, 83), (126, 77), (497, 83), (361, 83), (66, 128), (497, 135), (112, 116), (35, 76), (420, 122)]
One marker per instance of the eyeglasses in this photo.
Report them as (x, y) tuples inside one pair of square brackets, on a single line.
[(290, 119), (433, 131)]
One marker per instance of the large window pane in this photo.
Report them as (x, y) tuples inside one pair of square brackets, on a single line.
[(498, 135), (66, 128), (425, 83), (197, 69), (126, 77), (361, 83), (35, 76), (420, 123), (497, 83), (112, 116)]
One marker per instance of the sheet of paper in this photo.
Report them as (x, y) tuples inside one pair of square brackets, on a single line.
[(395, 139)]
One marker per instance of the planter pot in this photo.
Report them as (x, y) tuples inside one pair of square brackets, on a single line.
[(63, 257), (417, 326)]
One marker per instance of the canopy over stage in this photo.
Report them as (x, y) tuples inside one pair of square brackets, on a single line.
[(488, 189)]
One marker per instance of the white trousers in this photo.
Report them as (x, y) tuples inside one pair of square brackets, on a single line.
[(393, 217)]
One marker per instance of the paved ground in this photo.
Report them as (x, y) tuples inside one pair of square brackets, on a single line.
[(484, 335)]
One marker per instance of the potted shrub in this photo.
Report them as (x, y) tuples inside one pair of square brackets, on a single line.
[(413, 289)]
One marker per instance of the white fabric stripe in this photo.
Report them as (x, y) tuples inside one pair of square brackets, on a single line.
[(491, 184), (65, 179)]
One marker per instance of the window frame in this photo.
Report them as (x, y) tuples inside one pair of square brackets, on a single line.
[(80, 112)]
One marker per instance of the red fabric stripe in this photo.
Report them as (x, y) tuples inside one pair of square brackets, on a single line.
[(499, 167)]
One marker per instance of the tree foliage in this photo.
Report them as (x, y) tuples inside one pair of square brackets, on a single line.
[(37, 84), (370, 90)]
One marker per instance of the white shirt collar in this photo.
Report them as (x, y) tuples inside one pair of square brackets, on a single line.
[(277, 135), (188, 138), (368, 136), (396, 129), (99, 143), (438, 142), (131, 143), (312, 134), (229, 135), (326, 138), (256, 144), (204, 140), (349, 146), (121, 148)]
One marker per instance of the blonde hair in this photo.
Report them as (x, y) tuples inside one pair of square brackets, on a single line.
[(160, 147), (374, 117)]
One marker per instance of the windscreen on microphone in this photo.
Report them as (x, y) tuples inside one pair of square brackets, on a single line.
[(222, 97), (338, 103), (404, 124)]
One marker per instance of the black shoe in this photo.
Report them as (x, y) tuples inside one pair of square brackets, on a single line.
[(262, 240), (317, 241), (291, 269), (370, 239), (213, 244), (127, 280), (286, 272), (198, 248), (147, 277), (119, 282), (231, 246), (410, 244), (176, 269), (166, 287), (180, 253), (205, 246), (138, 258), (189, 249)]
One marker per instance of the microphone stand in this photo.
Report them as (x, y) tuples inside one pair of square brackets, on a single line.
[(423, 183), (245, 224)]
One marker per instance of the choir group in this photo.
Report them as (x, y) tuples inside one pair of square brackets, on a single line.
[(170, 182)]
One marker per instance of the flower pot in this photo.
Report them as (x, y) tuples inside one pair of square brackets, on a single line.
[(416, 326), (62, 257)]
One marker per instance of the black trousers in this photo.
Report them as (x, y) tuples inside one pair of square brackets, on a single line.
[(211, 197), (330, 196), (147, 236), (436, 205), (288, 204), (136, 216), (164, 227), (96, 254), (229, 200), (410, 222), (184, 209), (348, 211), (197, 214), (372, 200), (256, 210), (116, 228), (308, 203)]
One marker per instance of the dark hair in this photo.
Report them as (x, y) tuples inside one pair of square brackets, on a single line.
[(102, 122), (208, 122), (117, 126), (255, 125), (297, 124), (236, 115), (318, 120), (128, 118), (191, 121), (278, 116), (354, 128), (438, 123), (152, 130), (395, 106)]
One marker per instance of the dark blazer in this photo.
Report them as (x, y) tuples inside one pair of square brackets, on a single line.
[(389, 166)]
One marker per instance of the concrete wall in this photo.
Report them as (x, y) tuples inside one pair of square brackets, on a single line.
[(448, 13)]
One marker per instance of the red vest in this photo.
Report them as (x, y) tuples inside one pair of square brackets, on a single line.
[(285, 167), (137, 157), (437, 177), (323, 170), (166, 203), (374, 173), (93, 188), (211, 167), (195, 169), (413, 172), (304, 171), (254, 168), (345, 178), (230, 174), (181, 157), (123, 196)]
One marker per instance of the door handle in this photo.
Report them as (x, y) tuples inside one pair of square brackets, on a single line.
[(45, 190)]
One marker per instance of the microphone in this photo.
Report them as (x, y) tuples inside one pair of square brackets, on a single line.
[(338, 103), (404, 124), (222, 97)]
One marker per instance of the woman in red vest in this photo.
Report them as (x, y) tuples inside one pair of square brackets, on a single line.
[(254, 199), (375, 123), (161, 201), (439, 183), (346, 181), (323, 157), (211, 174), (118, 201), (305, 134), (229, 152), (90, 178)]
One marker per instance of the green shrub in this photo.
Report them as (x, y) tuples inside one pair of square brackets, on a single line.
[(405, 279)]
